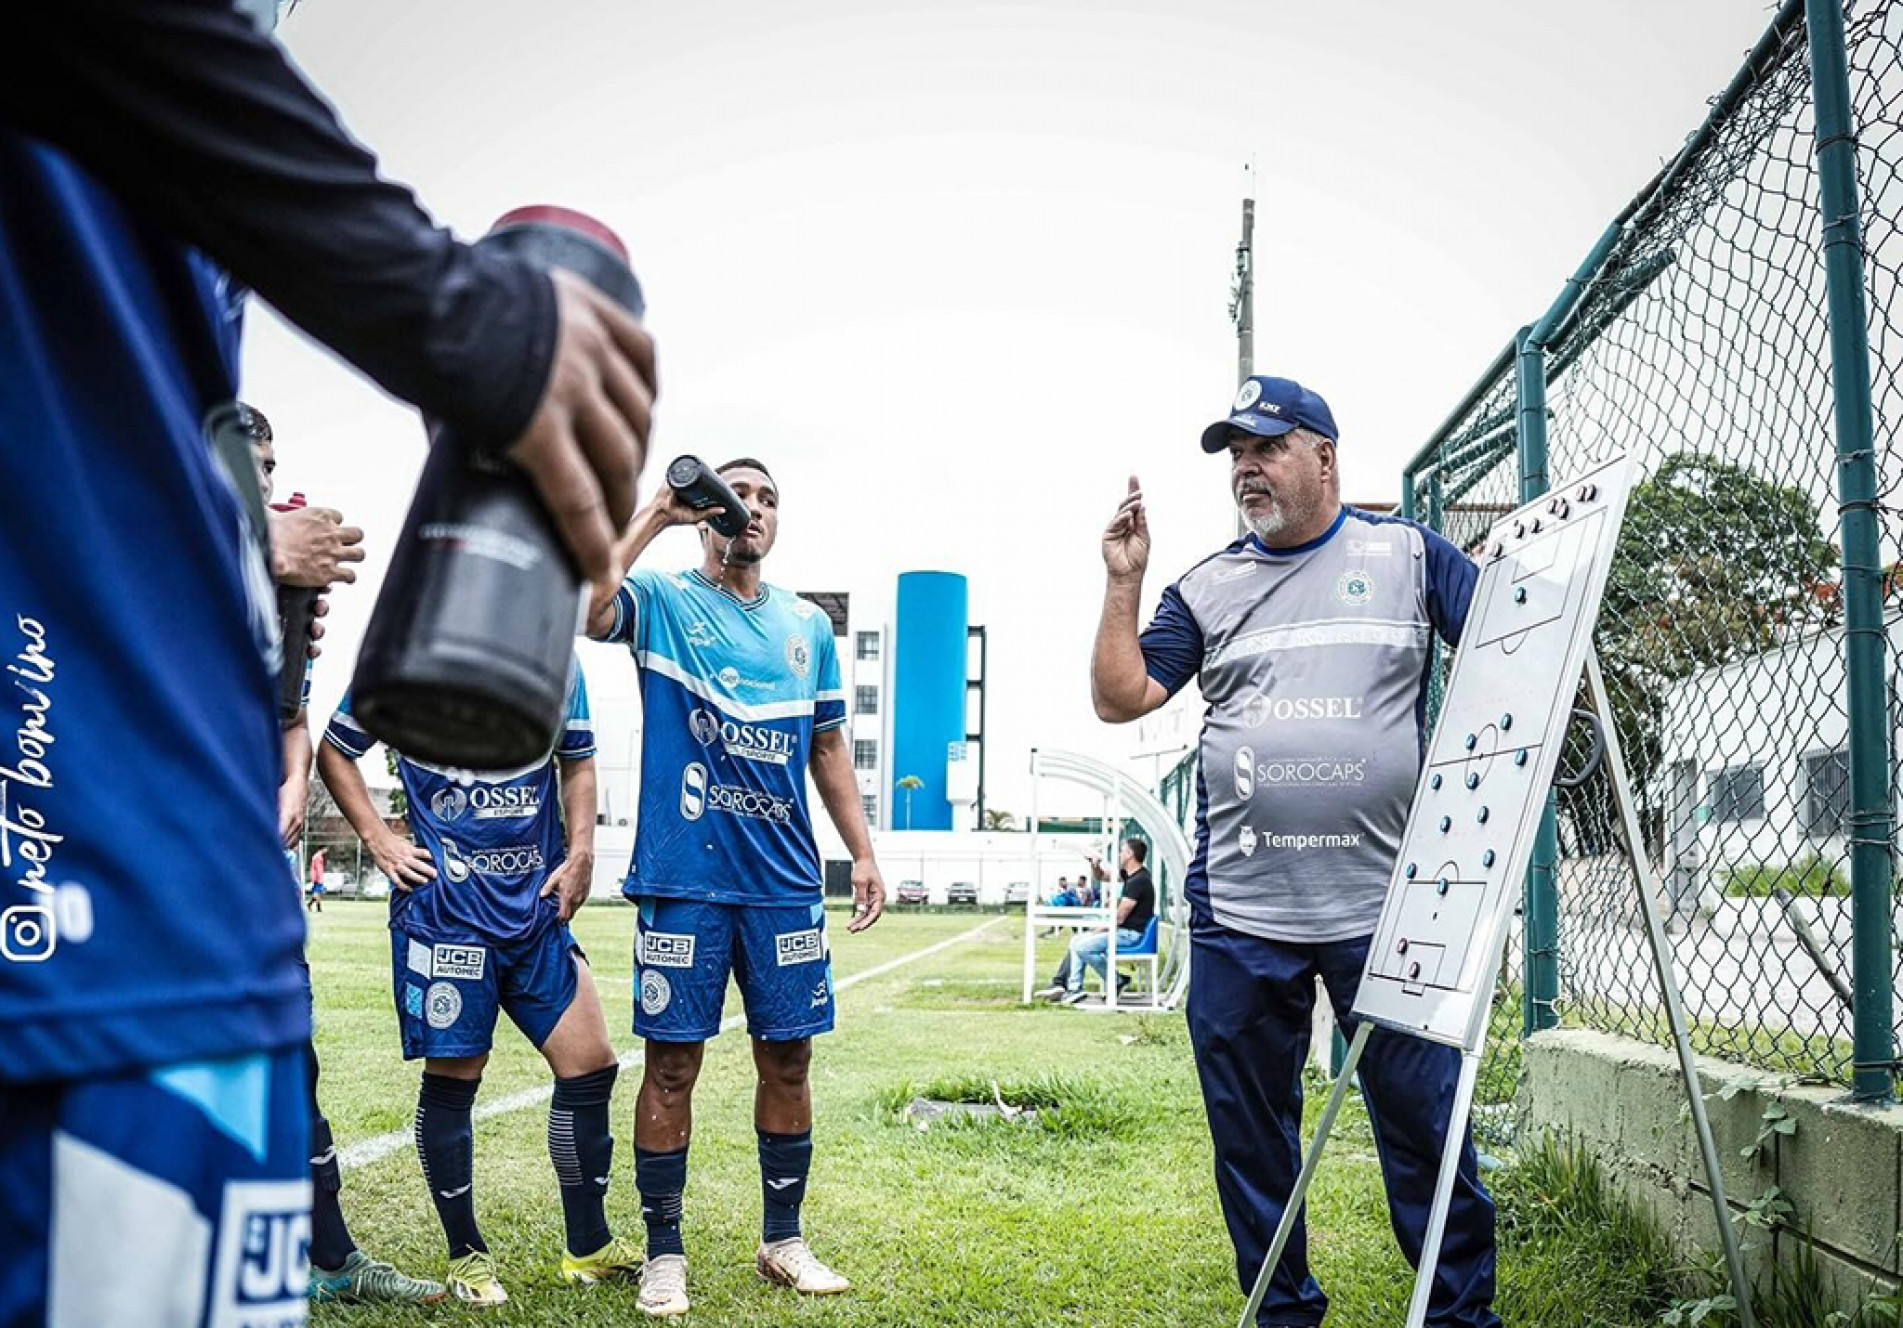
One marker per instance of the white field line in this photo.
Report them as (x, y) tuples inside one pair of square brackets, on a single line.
[(377, 1147)]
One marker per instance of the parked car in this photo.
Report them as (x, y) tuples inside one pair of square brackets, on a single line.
[(911, 892), (962, 892), (1018, 892)]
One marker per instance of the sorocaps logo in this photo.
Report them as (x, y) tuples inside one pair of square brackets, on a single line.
[(448, 803), (694, 791), (1250, 394), (1245, 773), (1355, 588), (455, 866), (799, 656)]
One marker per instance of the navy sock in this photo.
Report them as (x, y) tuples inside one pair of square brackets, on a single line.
[(330, 1235), (661, 1177), (785, 1160), (446, 1142), (583, 1151)]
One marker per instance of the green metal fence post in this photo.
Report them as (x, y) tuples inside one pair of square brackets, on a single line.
[(1870, 818), (1540, 913)]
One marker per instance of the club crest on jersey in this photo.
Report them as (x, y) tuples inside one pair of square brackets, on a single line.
[(1355, 588), (444, 1004), (1246, 841), (662, 949), (799, 947), (1250, 394), (799, 656), (448, 803), (263, 1271), (655, 992), (458, 961)]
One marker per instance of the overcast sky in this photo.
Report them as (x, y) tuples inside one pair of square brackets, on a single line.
[(956, 270)]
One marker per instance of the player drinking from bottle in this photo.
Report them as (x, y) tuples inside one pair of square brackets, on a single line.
[(741, 696)]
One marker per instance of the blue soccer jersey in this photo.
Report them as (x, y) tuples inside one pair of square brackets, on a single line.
[(144, 917), (732, 692), (494, 837)]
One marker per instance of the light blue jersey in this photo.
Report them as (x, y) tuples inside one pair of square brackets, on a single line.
[(732, 692)]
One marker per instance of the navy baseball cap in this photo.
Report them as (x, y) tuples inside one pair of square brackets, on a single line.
[(1270, 407)]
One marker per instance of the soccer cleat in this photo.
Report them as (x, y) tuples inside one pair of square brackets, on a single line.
[(663, 1286), (366, 1281), (472, 1280), (1077, 997), (791, 1264), (617, 1261), (1050, 993)]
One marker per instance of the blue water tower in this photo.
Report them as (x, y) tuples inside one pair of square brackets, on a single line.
[(928, 694)]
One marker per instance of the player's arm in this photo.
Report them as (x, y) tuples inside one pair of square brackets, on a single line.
[(407, 865), (569, 882), (665, 509), (1125, 906), (839, 790), (1451, 576), (184, 109), (1121, 687), (294, 787)]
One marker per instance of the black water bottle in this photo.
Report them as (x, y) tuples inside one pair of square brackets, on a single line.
[(466, 659), (297, 610), (704, 491)]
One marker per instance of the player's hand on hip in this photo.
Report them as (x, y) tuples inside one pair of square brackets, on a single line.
[(569, 884), (586, 444), (313, 548), (406, 864), (1126, 540), (868, 894)]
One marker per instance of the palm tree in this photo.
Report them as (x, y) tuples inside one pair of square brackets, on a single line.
[(908, 783), (997, 819)]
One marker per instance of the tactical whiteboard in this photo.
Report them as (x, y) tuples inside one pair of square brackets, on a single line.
[(1495, 750)]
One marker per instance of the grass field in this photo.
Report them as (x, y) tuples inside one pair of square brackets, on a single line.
[(1102, 1213)]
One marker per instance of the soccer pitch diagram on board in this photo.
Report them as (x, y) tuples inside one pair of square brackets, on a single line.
[(1492, 758)]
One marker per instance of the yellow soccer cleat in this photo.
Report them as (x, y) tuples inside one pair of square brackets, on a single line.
[(472, 1280), (617, 1261)]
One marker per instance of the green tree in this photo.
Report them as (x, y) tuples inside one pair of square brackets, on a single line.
[(908, 783), (997, 819), (399, 800), (1715, 563)]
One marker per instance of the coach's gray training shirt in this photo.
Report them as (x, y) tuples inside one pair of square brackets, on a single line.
[(1314, 662)]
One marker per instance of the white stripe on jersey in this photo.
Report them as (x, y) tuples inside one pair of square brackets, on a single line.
[(667, 668), (1329, 632)]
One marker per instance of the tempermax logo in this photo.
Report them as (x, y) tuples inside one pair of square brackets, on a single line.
[(1246, 841)]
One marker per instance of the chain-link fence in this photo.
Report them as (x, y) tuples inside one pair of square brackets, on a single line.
[(1701, 345)]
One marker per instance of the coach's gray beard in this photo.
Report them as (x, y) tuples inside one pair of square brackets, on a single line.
[(1270, 523)]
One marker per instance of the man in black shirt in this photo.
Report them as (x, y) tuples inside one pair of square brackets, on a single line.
[(1134, 911)]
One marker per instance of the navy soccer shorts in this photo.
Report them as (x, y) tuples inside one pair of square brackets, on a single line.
[(684, 949), (448, 992), (170, 1198)]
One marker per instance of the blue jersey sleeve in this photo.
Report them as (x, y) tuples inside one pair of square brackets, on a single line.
[(578, 734), (829, 700), (1172, 644), (346, 734), (631, 603), (1451, 576)]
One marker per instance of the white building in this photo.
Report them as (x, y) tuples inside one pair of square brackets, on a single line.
[(1755, 762)]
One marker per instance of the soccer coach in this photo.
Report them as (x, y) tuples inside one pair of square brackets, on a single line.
[(1310, 638)]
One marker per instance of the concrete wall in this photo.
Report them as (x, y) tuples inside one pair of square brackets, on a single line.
[(1841, 1166)]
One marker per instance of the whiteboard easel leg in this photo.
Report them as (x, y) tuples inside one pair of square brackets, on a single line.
[(1457, 1120), (1668, 983), (1286, 1226)]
